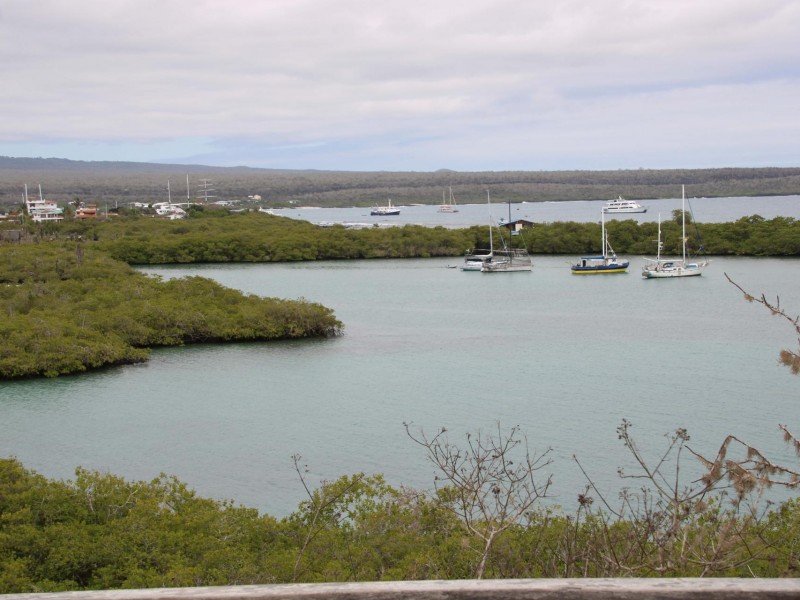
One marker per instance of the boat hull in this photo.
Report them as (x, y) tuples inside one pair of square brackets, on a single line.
[(654, 274), (518, 262), (504, 268), (611, 211), (475, 265), (599, 269), (474, 259), (669, 269)]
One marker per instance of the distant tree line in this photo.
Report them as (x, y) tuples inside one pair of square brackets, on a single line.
[(219, 236), (115, 184)]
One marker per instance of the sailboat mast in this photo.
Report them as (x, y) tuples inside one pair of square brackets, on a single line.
[(604, 248), (658, 253), (489, 204), (683, 221)]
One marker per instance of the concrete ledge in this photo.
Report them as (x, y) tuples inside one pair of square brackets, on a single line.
[(496, 589)]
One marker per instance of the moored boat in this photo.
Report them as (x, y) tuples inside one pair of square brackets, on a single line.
[(620, 205), (448, 206), (662, 268), (383, 211), (507, 260), (607, 262), (474, 259)]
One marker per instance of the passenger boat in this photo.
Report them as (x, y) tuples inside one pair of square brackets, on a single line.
[(383, 211), (661, 268), (606, 262), (621, 205)]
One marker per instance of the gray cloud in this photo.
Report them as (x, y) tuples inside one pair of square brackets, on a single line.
[(412, 85)]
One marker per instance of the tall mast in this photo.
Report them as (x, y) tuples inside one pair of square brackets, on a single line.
[(683, 220), (169, 194), (489, 204), (188, 197), (658, 253), (603, 232)]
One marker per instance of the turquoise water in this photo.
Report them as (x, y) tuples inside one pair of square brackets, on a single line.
[(564, 357)]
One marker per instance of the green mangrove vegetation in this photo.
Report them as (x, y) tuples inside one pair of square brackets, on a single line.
[(258, 237), (220, 236), (68, 307)]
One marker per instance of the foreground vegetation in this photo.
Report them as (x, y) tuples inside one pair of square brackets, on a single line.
[(99, 531), (68, 307)]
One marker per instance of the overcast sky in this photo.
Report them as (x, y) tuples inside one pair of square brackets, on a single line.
[(404, 85)]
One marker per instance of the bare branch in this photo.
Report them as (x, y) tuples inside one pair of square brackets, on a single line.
[(490, 483), (788, 358)]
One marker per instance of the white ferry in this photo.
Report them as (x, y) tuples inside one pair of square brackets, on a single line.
[(623, 206)]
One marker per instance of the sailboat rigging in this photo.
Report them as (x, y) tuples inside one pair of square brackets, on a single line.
[(661, 268), (507, 260), (606, 262), (448, 206)]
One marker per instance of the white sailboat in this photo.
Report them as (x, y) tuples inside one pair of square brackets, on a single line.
[(448, 207), (475, 259), (507, 260), (661, 268)]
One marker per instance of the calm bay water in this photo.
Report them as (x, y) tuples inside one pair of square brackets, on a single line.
[(706, 210), (564, 357)]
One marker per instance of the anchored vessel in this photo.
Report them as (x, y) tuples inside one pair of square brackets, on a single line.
[(607, 262), (507, 260), (623, 206), (383, 211), (661, 268), (448, 206)]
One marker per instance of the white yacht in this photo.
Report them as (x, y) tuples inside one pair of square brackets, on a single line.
[(659, 268), (620, 205)]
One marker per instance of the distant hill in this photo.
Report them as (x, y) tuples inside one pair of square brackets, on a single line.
[(111, 183)]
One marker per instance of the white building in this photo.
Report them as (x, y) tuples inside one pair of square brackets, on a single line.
[(41, 210)]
